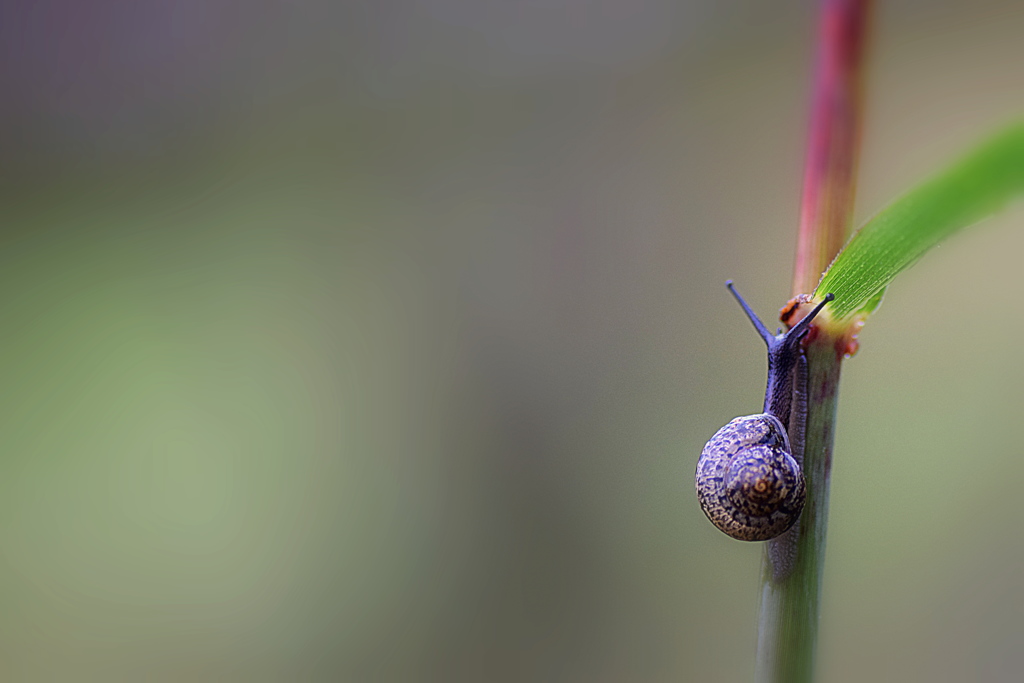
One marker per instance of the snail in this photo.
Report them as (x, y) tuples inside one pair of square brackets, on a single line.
[(749, 478)]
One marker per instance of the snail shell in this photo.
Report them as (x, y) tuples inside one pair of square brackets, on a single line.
[(748, 483)]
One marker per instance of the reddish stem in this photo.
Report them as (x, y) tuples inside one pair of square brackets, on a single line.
[(831, 164), (793, 562)]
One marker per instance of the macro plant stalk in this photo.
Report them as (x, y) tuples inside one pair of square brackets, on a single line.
[(793, 563)]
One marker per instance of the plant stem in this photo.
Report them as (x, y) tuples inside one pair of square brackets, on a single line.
[(792, 566), (830, 166)]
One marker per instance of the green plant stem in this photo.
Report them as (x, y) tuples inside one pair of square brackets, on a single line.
[(793, 563), (792, 567)]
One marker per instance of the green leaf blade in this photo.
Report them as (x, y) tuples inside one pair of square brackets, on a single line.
[(974, 188)]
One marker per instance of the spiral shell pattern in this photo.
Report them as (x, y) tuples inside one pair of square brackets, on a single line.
[(748, 484)]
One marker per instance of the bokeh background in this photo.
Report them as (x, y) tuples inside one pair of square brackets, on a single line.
[(377, 341)]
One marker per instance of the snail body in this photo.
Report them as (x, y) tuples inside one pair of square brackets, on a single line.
[(749, 478)]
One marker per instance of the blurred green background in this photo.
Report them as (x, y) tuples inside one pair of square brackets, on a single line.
[(378, 341)]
